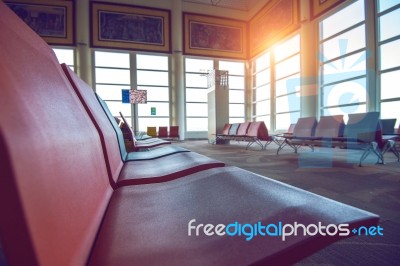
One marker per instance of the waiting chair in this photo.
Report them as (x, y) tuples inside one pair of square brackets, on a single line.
[(162, 132), (152, 131), (174, 132)]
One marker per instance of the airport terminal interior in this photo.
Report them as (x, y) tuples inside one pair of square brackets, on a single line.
[(301, 92)]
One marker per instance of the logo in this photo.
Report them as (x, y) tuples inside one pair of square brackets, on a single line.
[(281, 230)]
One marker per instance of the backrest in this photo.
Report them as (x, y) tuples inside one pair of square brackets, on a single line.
[(291, 128), (107, 133), (388, 125), (305, 127), (152, 131), (117, 129), (364, 126), (258, 129), (225, 130), (163, 132), (242, 130), (128, 128), (119, 121), (233, 129), (174, 132), (54, 186), (330, 126)]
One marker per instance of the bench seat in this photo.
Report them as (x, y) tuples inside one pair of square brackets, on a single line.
[(157, 216), (59, 207)]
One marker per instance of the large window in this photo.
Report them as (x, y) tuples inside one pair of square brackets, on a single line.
[(389, 55), (196, 93), (287, 82), (113, 73), (152, 75), (261, 86), (276, 85), (236, 90), (343, 54)]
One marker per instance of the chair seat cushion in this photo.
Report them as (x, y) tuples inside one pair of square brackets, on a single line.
[(148, 224), (154, 154), (165, 168)]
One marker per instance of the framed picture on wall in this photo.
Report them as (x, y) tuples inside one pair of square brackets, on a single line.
[(277, 19), (130, 27), (214, 36), (318, 7), (53, 20)]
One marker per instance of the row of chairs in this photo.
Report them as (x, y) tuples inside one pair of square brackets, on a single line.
[(131, 140), (362, 131), (163, 132), (71, 194), (251, 132)]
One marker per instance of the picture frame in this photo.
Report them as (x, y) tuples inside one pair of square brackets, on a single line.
[(214, 36), (138, 96), (130, 27), (319, 7), (53, 20), (277, 19)]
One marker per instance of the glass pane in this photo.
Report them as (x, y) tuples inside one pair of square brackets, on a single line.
[(161, 109), (156, 93), (343, 19), (288, 103), (152, 122), (389, 25), (111, 92), (345, 68), (236, 110), (287, 67), (263, 108), (387, 111), (196, 81), (287, 48), (198, 65), (236, 82), (262, 93), (234, 68), (263, 77), (196, 95), (390, 85), (345, 110), (386, 4), (283, 121), (351, 92), (196, 109), (262, 62), (197, 124), (236, 96), (65, 56), (152, 78), (287, 85), (233, 120), (390, 55), (112, 76), (107, 59), (116, 107), (343, 44), (152, 62)]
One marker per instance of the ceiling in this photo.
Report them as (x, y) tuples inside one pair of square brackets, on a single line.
[(244, 5)]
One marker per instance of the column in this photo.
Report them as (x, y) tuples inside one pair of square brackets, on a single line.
[(177, 70), (309, 62), (83, 52)]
